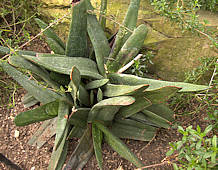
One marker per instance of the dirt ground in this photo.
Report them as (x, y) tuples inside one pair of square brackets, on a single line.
[(31, 158)]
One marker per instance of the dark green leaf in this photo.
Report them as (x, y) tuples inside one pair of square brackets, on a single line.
[(97, 137), (131, 129), (63, 113), (96, 84), (106, 109), (55, 46), (119, 146), (99, 95), (83, 96), (41, 113), (75, 79), (82, 153), (130, 49), (77, 39), (111, 90), (59, 154)]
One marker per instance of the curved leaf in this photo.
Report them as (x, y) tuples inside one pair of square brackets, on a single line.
[(128, 79), (41, 113), (75, 79), (118, 145), (59, 154), (106, 109), (112, 90), (64, 65), (140, 103), (55, 47), (82, 153), (131, 129), (61, 128), (96, 84), (130, 49), (83, 96)]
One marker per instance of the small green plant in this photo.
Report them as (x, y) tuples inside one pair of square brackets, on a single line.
[(196, 150), (184, 13), (84, 96)]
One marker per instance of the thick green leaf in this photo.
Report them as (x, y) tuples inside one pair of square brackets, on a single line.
[(141, 117), (61, 79), (75, 79), (130, 49), (98, 39), (111, 90), (92, 97), (160, 95), (28, 100), (159, 121), (59, 154), (41, 113), (42, 94), (161, 110), (79, 118), (97, 137), (44, 133), (99, 95), (21, 62), (118, 145), (140, 103), (96, 84), (129, 23), (77, 38), (55, 46), (49, 33), (82, 153), (83, 96), (146, 99), (128, 79), (76, 132), (63, 113), (106, 109), (64, 65), (131, 129)]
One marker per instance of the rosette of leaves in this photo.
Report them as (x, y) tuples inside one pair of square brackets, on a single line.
[(79, 98)]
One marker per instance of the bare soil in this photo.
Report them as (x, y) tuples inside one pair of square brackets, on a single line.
[(31, 158)]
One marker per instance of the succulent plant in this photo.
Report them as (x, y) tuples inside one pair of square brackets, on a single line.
[(84, 97)]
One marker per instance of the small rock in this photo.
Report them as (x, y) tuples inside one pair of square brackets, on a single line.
[(16, 133)]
